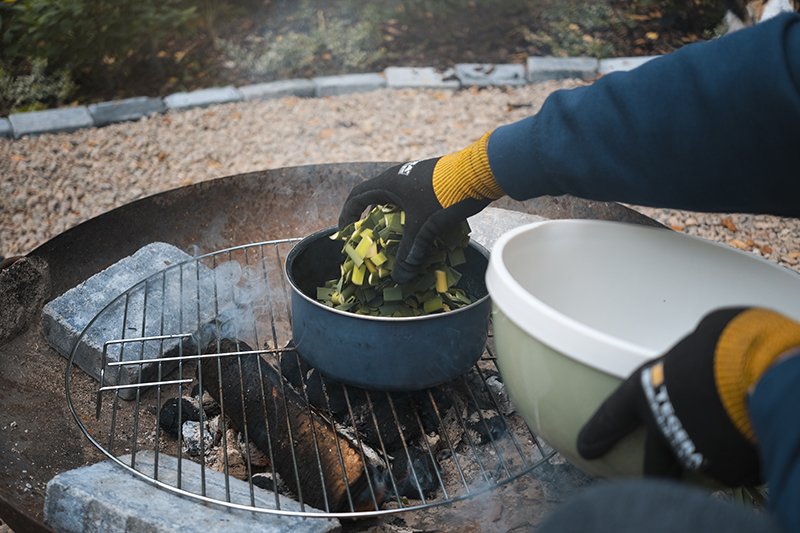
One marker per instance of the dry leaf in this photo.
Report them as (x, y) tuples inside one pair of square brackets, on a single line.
[(214, 164), (736, 243), (92, 143), (677, 228), (326, 133), (651, 35), (728, 223), (794, 255), (162, 156), (766, 249)]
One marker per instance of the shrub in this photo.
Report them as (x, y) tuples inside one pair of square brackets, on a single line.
[(29, 92), (85, 37), (328, 46)]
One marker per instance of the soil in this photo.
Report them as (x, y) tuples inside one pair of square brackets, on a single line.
[(481, 32)]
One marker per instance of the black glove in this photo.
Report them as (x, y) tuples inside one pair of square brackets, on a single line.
[(693, 400), (436, 194)]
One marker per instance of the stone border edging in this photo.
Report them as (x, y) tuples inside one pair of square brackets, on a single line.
[(537, 69)]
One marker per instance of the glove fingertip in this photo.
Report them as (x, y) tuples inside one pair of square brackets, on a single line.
[(403, 272)]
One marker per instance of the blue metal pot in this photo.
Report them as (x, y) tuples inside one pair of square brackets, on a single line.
[(384, 353)]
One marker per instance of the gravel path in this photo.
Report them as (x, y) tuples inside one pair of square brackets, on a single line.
[(54, 182)]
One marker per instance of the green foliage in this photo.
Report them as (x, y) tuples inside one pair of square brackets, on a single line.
[(85, 36), (30, 92), (329, 45), (571, 27)]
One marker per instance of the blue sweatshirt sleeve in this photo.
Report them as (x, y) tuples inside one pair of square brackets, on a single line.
[(713, 126), (774, 412)]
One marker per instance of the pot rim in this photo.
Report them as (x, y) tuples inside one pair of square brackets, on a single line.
[(306, 241)]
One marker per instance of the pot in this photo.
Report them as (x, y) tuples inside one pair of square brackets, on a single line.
[(384, 353)]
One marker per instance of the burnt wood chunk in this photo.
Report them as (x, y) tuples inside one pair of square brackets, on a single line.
[(276, 417)]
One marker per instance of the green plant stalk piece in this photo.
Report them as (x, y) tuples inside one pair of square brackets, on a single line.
[(365, 286)]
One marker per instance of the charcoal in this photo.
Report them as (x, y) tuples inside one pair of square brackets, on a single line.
[(275, 416), (168, 417), (416, 477), (485, 426)]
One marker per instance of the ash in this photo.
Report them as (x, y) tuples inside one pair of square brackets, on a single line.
[(425, 446)]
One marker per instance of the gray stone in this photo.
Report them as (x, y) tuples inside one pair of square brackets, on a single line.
[(176, 291), (203, 98), (105, 498), (622, 64), (62, 120), (488, 225), (5, 128), (491, 74), (348, 84), (420, 78), (277, 89), (123, 110), (561, 68)]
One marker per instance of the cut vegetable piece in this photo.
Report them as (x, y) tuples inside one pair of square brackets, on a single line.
[(433, 304), (441, 281), (350, 251), (358, 274), (393, 294)]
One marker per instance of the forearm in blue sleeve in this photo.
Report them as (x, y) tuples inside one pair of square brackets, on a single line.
[(714, 126), (774, 413)]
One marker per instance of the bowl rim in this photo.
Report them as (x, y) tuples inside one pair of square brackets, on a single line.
[(297, 248), (590, 346)]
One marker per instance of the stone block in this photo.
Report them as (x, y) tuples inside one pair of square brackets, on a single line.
[(490, 74), (124, 110), (277, 89), (106, 498), (203, 98), (62, 120), (622, 64), (5, 128), (420, 78), (175, 295), (488, 225), (348, 84), (561, 68)]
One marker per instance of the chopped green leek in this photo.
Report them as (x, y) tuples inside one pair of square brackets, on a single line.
[(365, 286)]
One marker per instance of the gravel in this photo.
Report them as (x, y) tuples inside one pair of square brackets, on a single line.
[(53, 182)]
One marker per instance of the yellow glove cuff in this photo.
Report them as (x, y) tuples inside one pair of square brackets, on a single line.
[(748, 346), (465, 174)]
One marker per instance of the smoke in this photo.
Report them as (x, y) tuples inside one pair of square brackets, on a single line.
[(243, 295)]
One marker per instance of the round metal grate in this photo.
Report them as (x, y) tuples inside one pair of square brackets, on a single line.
[(179, 348)]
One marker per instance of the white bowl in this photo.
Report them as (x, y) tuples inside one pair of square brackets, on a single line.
[(580, 304)]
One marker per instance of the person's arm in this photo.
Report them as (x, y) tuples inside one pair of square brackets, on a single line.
[(711, 127), (774, 408)]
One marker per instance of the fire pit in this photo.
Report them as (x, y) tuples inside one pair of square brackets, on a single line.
[(213, 215)]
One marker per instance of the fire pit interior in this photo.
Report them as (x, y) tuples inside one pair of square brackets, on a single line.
[(42, 439), (228, 389)]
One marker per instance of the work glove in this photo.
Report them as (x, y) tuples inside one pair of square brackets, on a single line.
[(693, 399), (436, 195)]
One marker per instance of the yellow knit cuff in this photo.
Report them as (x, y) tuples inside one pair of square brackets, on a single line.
[(466, 174), (747, 347)]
